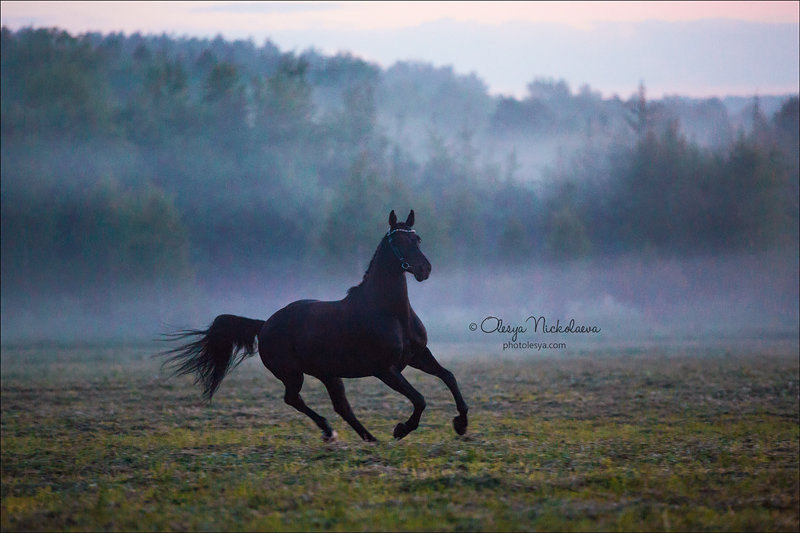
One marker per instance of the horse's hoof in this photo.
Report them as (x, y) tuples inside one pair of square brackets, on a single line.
[(460, 424), (400, 431), (369, 438), (330, 438)]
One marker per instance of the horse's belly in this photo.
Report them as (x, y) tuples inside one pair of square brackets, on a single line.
[(344, 360)]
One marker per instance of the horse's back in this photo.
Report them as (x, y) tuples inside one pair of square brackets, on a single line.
[(285, 320), (300, 329)]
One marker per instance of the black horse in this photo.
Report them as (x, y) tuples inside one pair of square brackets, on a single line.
[(373, 331)]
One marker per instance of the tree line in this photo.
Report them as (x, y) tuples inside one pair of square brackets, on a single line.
[(151, 159)]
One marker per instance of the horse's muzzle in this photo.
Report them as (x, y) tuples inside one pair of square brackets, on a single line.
[(421, 272)]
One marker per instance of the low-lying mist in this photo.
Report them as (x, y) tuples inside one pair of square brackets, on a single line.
[(619, 300)]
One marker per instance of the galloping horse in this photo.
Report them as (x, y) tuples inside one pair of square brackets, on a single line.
[(373, 331)]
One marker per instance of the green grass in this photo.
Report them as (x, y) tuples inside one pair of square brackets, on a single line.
[(97, 439)]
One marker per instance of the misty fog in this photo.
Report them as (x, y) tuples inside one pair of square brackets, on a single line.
[(631, 299), (162, 182)]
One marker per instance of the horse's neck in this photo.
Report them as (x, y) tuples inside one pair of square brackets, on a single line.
[(386, 287)]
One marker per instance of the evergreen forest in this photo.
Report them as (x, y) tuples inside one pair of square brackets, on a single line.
[(137, 165)]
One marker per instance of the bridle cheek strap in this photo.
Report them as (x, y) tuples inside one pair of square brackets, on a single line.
[(403, 264)]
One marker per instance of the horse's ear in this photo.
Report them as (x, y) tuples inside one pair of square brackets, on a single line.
[(410, 219), (392, 219)]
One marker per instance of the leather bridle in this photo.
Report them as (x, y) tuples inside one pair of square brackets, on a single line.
[(403, 263)]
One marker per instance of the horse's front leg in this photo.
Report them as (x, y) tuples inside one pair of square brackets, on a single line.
[(395, 380), (335, 388), (424, 360)]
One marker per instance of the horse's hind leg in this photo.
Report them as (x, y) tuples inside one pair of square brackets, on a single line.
[(426, 362), (335, 388), (293, 384), (395, 380)]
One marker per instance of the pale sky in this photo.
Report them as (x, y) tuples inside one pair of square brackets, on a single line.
[(688, 48)]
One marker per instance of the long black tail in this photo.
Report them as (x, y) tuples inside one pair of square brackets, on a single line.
[(228, 341)]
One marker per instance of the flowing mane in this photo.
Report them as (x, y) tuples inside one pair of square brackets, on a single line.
[(355, 289)]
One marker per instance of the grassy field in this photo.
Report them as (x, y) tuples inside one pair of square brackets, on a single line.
[(95, 438)]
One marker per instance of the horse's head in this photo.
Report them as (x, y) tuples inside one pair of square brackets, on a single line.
[(404, 242)]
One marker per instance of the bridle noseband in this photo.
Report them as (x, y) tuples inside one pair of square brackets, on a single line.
[(403, 264)]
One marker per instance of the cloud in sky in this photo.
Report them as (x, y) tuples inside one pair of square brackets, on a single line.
[(692, 48)]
